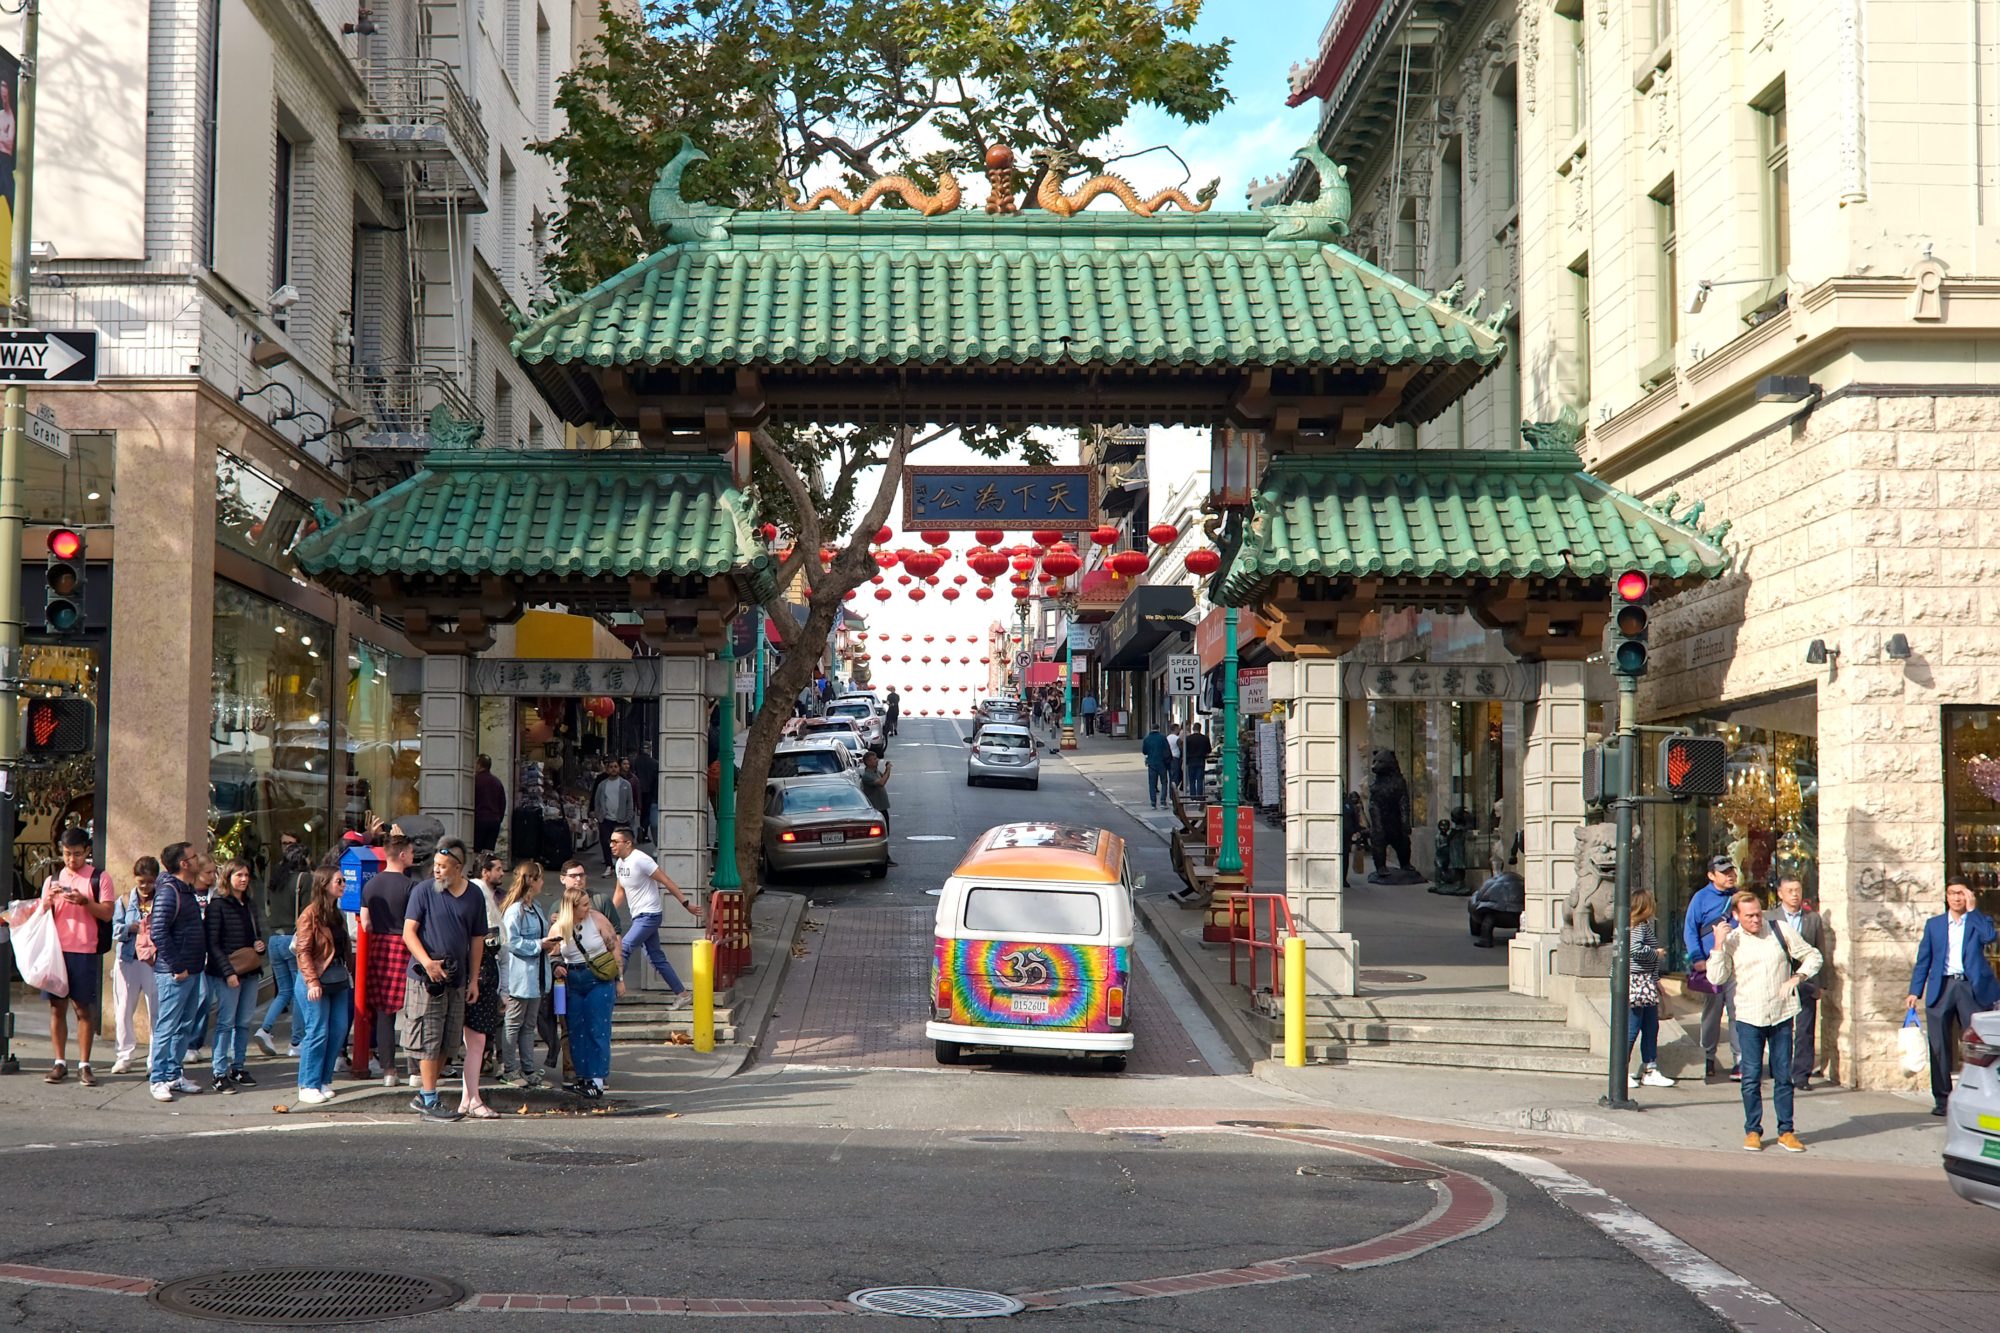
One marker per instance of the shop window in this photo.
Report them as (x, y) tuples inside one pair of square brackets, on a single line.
[(77, 489), (384, 737), (256, 516), (270, 765), (1972, 800), (58, 796)]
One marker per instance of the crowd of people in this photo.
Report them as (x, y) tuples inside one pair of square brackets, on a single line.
[(458, 968)]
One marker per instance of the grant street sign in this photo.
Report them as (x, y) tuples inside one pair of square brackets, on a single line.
[(965, 499), (43, 430), (48, 356)]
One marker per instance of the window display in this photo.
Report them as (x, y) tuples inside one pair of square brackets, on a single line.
[(1972, 800), (384, 739)]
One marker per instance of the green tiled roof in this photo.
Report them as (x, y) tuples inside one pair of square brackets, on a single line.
[(1456, 515), (549, 514), (890, 288)]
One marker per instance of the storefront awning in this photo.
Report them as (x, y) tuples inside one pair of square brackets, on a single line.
[(1045, 673), (1153, 611), (1209, 636)]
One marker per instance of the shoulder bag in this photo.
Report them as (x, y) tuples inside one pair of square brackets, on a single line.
[(604, 965)]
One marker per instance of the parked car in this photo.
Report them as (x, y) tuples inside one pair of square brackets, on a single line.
[(1497, 905), (999, 708), (814, 760), (1972, 1116), (866, 719), (824, 825), (1002, 752), (840, 729)]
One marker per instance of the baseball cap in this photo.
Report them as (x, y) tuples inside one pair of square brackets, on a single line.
[(1720, 863)]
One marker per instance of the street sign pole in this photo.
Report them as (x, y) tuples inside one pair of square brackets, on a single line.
[(1618, 1096), (12, 514), (1229, 856)]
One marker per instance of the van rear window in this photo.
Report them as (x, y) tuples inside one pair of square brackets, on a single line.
[(1034, 912)]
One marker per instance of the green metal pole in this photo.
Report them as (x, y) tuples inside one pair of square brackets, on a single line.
[(1619, 1097), (1229, 857), (725, 876)]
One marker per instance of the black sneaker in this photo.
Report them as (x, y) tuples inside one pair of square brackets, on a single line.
[(441, 1113), (224, 1086), (241, 1078)]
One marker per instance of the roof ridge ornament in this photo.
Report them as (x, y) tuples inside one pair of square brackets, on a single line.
[(1056, 164), (453, 432), (1563, 435), (676, 218), (1325, 217), (946, 200)]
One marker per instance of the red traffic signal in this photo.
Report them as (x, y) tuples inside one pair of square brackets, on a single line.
[(1632, 586), (65, 543), (1693, 766), (55, 727), (1628, 650)]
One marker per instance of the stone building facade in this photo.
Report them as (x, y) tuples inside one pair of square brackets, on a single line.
[(1713, 196)]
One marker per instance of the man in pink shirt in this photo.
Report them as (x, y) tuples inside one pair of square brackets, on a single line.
[(79, 897)]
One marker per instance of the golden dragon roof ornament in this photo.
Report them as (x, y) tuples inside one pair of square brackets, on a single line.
[(1003, 182)]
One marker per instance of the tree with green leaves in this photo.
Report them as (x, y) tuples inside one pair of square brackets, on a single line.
[(780, 92)]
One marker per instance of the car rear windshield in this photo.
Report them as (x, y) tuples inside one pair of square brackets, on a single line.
[(1033, 912), (805, 762), (813, 799), (850, 710), (990, 739)]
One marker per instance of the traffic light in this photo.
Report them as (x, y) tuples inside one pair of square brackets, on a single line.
[(1628, 600), (1694, 766), (62, 582), (54, 727)]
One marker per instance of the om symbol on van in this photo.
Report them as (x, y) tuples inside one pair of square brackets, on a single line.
[(1027, 969)]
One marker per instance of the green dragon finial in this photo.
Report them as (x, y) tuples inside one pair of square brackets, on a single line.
[(450, 432), (1325, 218), (1563, 435), (675, 217)]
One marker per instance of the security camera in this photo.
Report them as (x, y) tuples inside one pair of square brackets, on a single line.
[(284, 298)]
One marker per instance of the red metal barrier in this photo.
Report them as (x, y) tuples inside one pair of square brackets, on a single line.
[(1261, 922), (729, 929)]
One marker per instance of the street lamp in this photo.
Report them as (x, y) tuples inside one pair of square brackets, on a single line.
[(725, 876)]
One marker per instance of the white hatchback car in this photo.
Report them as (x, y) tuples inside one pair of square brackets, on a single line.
[(1972, 1116)]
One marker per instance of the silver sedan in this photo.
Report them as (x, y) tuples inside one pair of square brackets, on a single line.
[(824, 825), (1002, 752)]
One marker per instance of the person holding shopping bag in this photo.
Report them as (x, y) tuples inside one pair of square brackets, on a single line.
[(323, 993), (592, 967)]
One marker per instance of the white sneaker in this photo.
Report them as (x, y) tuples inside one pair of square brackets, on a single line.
[(311, 1096), (194, 1055), (374, 1068), (389, 1080), (1653, 1078), (414, 1081), (328, 1093), (123, 1065), (163, 1092), (184, 1084), (292, 1051), (1631, 1080), (264, 1042)]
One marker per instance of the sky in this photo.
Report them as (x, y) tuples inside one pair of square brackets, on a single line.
[(1253, 137)]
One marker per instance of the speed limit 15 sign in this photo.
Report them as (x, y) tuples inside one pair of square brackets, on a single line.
[(1183, 673)]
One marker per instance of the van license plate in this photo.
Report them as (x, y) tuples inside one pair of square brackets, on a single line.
[(832, 839), (1029, 1004)]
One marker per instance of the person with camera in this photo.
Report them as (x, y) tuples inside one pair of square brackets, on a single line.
[(323, 989), (444, 928), (590, 961)]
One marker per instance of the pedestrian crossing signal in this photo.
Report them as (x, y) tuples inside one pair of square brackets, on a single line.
[(55, 727), (1692, 766)]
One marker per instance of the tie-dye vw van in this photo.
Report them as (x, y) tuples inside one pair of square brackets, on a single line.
[(1034, 946)]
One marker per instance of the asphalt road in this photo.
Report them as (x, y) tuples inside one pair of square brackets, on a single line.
[(805, 1180)]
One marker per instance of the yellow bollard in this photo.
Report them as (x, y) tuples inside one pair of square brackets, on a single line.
[(1295, 1002), (704, 995)]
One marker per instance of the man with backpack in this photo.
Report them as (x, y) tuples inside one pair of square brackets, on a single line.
[(81, 899)]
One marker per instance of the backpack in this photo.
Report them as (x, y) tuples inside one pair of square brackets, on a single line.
[(104, 926)]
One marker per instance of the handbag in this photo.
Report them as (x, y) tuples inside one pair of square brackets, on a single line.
[(104, 926), (335, 974), (604, 966), (1699, 983), (1914, 1052), (38, 953), (245, 961)]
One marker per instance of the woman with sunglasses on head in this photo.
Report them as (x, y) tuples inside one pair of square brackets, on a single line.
[(591, 963)]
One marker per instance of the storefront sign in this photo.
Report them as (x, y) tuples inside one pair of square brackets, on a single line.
[(618, 679), (1253, 689), (1082, 639), (1211, 633), (1183, 673), (963, 499), (1440, 680)]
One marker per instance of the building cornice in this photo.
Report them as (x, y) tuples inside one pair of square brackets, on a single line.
[(306, 35)]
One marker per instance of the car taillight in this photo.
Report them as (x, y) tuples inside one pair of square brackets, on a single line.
[(1114, 1006), (874, 830), (940, 986), (1977, 1052), (788, 836)]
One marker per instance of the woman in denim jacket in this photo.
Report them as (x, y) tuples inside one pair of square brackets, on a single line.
[(135, 974), (524, 975)]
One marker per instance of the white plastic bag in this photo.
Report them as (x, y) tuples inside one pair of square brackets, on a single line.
[(38, 953), (1911, 1046)]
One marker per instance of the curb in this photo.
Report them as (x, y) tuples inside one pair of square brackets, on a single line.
[(1226, 1017)]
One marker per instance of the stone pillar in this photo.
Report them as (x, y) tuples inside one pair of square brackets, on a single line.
[(1551, 813), (680, 841), (1315, 859), (450, 743)]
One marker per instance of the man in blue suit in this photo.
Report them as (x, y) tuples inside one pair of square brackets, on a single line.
[(1953, 980)]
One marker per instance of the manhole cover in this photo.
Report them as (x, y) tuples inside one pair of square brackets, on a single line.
[(929, 837), (935, 1302), (1143, 1140), (303, 1297), (1378, 1172), (1381, 978), (576, 1158)]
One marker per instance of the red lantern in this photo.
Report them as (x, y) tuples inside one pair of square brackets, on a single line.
[(1203, 561), (1130, 563), (1023, 563), (883, 536), (1021, 593), (602, 708), (916, 594), (1105, 535), (922, 563), (826, 554), (770, 531), (951, 594), (887, 559), (925, 660), (883, 594), (929, 639), (1062, 560), (1163, 534), (958, 579), (986, 661), (989, 536), (984, 594), (782, 554), (951, 638), (906, 657), (847, 596), (987, 564), (1047, 536), (903, 579), (931, 579), (935, 536)]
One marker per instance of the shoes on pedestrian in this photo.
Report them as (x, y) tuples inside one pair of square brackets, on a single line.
[(453, 1070), (374, 1068), (1736, 1074), (264, 1043), (241, 1078), (292, 1051), (329, 1092), (507, 1080), (57, 1073), (1753, 1143), (389, 1080), (186, 1084), (1938, 1109), (194, 1055), (1790, 1142), (1631, 1080), (415, 1081), (441, 1113), (122, 1065), (223, 1086), (84, 1076), (1653, 1078), (163, 1092)]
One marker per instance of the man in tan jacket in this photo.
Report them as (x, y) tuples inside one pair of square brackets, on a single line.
[(1767, 963)]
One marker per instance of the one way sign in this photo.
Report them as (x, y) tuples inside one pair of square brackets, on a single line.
[(48, 356)]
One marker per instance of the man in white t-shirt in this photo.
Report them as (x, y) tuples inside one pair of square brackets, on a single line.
[(640, 880)]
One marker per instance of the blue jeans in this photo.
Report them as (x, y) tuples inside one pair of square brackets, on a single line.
[(1643, 1022), (1157, 788), (1777, 1039), (202, 1030), (645, 930), (590, 1002), (324, 1020), (1197, 775), (283, 969), (236, 1010), (173, 1024)]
